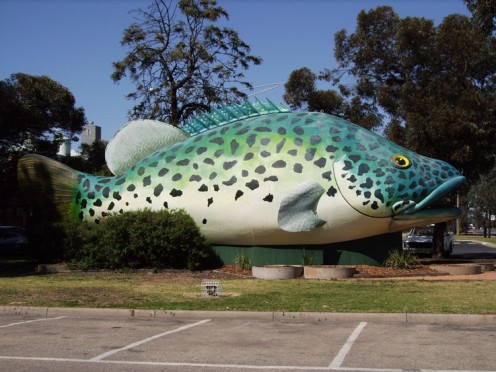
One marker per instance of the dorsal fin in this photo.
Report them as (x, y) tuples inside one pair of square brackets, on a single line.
[(227, 114), (138, 139)]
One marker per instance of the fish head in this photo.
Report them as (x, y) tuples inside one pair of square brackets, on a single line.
[(381, 179)]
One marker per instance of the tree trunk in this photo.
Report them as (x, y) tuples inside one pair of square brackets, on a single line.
[(438, 241)]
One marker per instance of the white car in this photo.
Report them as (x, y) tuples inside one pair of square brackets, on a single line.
[(419, 241), (12, 239)]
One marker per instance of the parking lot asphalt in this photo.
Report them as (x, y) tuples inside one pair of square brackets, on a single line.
[(56, 339)]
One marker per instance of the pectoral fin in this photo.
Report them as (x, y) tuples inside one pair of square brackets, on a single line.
[(298, 208)]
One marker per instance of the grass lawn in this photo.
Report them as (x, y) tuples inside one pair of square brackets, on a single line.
[(156, 291)]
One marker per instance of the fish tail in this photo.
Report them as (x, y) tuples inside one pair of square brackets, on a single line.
[(47, 185)]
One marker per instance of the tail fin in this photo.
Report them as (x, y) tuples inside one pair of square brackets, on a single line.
[(46, 184)]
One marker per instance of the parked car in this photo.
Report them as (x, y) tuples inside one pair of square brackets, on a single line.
[(419, 241), (12, 239)]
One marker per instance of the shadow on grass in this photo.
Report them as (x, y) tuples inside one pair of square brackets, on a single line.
[(17, 265)]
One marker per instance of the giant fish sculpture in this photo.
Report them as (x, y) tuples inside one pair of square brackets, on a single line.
[(257, 174)]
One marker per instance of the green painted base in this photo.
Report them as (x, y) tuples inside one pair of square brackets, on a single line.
[(369, 251)]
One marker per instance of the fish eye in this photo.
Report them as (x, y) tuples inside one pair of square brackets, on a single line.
[(401, 161)]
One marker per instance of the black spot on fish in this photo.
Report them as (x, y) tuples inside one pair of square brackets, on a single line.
[(280, 145), (374, 205), (271, 179), (209, 161), (250, 140), (243, 131), (336, 139), (378, 195), (379, 173), (332, 148), (111, 206), (203, 188), (263, 129), (84, 203), (265, 154), (131, 187), (347, 165), (204, 221), (91, 195), (282, 117), (238, 195), (210, 201), (355, 158), (97, 221), (106, 192), (162, 172), (166, 205), (80, 177), (230, 182), (158, 189), (327, 175), (320, 162), (135, 196), (97, 203), (281, 131), (141, 171), (298, 130), (315, 139), (116, 195), (104, 214), (175, 177), (149, 200), (347, 149), (153, 165), (170, 158), (219, 153), (201, 150), (212, 176), (244, 173), (260, 169), (363, 169), (120, 181), (98, 188), (92, 212), (298, 168), (147, 181), (234, 146), (265, 141), (331, 191), (367, 194), (253, 184), (188, 151), (81, 215), (195, 178), (309, 155), (183, 162), (293, 152), (368, 184), (175, 193), (86, 185), (248, 156), (269, 198), (309, 121), (104, 180), (216, 188), (298, 141), (229, 164), (224, 130), (279, 164)]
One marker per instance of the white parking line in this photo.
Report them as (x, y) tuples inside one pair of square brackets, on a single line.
[(31, 321), (339, 359), (138, 343)]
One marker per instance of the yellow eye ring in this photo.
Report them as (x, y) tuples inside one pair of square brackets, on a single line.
[(401, 161)]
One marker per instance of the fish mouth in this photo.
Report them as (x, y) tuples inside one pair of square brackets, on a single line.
[(409, 210)]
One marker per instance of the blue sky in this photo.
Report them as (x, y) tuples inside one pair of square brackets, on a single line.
[(74, 42)]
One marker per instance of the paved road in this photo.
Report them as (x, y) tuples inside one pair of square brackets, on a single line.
[(473, 250), (122, 343)]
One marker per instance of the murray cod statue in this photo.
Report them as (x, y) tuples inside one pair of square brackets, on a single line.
[(256, 174)]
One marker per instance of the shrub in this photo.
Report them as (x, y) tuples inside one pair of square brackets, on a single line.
[(143, 239), (242, 261), (401, 259)]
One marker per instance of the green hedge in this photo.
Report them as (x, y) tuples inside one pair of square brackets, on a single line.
[(143, 239)]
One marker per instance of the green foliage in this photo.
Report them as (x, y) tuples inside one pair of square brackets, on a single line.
[(242, 261), (143, 239), (180, 61), (400, 259), (306, 258)]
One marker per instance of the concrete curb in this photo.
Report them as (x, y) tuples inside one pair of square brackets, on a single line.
[(276, 316)]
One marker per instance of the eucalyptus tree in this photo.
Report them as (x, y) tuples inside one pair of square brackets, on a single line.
[(182, 61)]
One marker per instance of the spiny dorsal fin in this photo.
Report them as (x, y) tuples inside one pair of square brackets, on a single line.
[(227, 114)]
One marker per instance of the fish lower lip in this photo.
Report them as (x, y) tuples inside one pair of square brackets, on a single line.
[(437, 194)]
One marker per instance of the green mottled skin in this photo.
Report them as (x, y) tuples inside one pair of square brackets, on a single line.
[(257, 162)]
